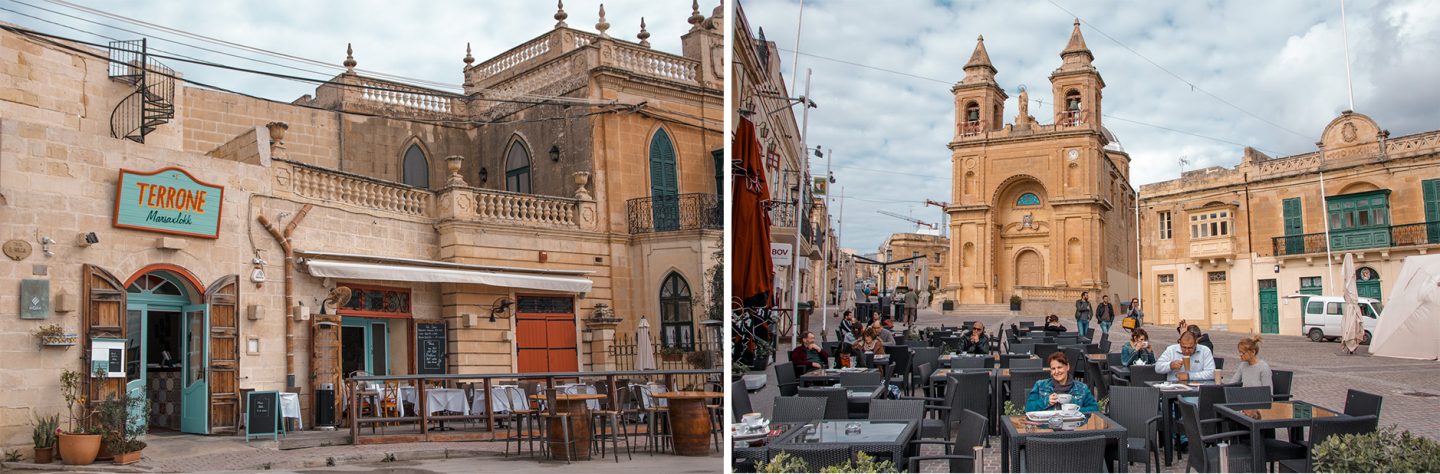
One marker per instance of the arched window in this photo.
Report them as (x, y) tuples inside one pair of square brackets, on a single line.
[(676, 317), (972, 112), (517, 168), (1028, 199), (416, 169), (664, 184)]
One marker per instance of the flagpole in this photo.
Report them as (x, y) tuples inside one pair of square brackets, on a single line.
[(1345, 31), (804, 166)]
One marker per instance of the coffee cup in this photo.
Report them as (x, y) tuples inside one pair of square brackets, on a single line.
[(750, 418), (1062, 398), (1070, 408)]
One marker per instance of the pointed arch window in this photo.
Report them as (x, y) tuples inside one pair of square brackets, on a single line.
[(416, 168), (664, 183), (517, 168), (677, 328)]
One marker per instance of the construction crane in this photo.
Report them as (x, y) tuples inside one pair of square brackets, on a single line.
[(917, 222), (944, 216)]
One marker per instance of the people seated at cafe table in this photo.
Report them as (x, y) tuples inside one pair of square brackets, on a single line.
[(1044, 395), (1138, 350), (808, 355), (977, 342), (1252, 371), (1173, 362), (886, 335), (1052, 323), (870, 342), (1201, 338)]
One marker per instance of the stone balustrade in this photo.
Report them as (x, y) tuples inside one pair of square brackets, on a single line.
[(1051, 293), (650, 63), (514, 57), (490, 206), (336, 187), (390, 93), (1412, 144)]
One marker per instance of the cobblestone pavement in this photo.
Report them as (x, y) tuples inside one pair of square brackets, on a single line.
[(513, 464), (1323, 374)]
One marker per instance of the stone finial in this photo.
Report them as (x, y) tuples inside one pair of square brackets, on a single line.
[(695, 16), (582, 178), (349, 59), (1076, 45), (277, 138), (644, 35), (560, 14), (452, 164), (717, 18), (602, 25), (468, 58)]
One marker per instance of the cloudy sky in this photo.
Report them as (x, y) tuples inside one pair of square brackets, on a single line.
[(1279, 62), (421, 40)]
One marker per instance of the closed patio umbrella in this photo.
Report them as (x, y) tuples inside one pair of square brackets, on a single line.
[(644, 352), (1352, 329), (752, 277)]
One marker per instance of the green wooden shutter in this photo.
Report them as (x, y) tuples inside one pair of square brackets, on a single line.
[(1294, 227), (664, 185), (1431, 188)]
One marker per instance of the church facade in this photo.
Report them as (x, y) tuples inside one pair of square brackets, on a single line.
[(1039, 211)]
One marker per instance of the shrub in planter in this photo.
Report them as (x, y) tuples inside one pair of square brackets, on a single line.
[(1014, 302), (122, 433), (1386, 450), (44, 437), (81, 442)]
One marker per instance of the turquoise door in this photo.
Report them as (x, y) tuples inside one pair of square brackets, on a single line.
[(194, 391), (135, 371), (365, 345), (1269, 308), (664, 186), (1432, 209)]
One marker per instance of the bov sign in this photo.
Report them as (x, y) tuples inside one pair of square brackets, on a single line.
[(168, 200)]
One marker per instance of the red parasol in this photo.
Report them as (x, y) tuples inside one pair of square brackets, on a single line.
[(753, 275)]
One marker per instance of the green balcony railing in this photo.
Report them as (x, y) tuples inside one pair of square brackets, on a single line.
[(1362, 238)]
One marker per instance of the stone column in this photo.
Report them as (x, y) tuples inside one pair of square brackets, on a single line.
[(602, 338)]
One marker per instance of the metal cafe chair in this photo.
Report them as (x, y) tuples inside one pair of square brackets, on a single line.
[(552, 413)]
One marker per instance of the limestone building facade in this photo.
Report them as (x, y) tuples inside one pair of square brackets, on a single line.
[(1042, 211), (930, 274), (573, 186), (1242, 248)]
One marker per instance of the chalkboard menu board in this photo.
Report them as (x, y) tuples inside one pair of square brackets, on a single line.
[(430, 348), (262, 414)]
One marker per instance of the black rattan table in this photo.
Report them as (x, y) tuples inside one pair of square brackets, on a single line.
[(890, 437)]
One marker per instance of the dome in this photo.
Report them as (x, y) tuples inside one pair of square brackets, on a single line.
[(1111, 143)]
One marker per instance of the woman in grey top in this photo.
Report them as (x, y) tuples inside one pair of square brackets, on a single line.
[(1252, 371)]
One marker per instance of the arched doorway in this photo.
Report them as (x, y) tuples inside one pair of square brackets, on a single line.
[(1029, 269)]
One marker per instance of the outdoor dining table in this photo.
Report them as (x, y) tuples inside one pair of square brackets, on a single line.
[(1261, 416), (870, 437), (436, 400), (1018, 429), (690, 421), (506, 398), (581, 434), (829, 376), (1169, 398), (945, 359)]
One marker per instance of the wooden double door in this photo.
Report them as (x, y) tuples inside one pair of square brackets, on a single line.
[(545, 338), (207, 350)]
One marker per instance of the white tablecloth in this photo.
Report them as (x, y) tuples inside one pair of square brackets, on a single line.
[(437, 400), (290, 408), (507, 398)]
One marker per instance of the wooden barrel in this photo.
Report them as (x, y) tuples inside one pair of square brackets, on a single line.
[(580, 431), (691, 423)]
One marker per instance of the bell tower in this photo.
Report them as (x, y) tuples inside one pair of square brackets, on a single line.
[(979, 100), (1076, 86)]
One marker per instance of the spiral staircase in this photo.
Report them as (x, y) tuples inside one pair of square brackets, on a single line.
[(152, 103)]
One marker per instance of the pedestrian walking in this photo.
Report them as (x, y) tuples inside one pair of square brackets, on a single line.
[(1082, 313), (912, 303), (1105, 314), (1136, 313)]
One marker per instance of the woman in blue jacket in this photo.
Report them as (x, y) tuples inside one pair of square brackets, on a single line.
[(1043, 395)]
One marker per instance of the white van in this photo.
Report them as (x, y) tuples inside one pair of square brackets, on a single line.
[(1323, 314)]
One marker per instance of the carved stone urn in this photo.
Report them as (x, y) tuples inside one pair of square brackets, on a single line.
[(452, 163), (581, 179)]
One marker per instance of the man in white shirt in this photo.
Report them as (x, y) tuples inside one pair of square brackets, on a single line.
[(1172, 362)]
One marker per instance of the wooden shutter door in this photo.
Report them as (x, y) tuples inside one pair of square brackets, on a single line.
[(104, 316), (224, 299)]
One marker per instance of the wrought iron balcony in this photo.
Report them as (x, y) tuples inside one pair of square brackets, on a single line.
[(1358, 239), (678, 212)]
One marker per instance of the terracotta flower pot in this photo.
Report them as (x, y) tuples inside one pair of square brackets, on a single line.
[(128, 458), (104, 454), (79, 449), (44, 455)]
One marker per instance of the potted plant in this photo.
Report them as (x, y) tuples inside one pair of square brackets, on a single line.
[(1387, 450), (44, 437), (698, 359), (55, 335), (1014, 302), (947, 305), (671, 353), (81, 442), (122, 433)]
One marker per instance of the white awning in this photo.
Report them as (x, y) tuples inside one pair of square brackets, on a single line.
[(400, 272)]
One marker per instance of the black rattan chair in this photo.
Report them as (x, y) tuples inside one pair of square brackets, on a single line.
[(798, 409), (912, 409), (1282, 381), (1027, 363), (861, 379), (739, 400), (785, 379), (1247, 394), (1322, 428), (836, 401), (1045, 454), (1021, 381), (1137, 409), (1204, 453), (1139, 374), (1358, 403), (960, 451)]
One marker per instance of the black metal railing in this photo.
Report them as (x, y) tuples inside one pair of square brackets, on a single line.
[(1421, 233), (153, 102), (677, 212), (701, 354)]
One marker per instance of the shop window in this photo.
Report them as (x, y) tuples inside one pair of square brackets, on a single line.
[(677, 329)]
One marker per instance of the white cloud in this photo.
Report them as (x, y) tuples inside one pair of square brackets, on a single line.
[(1280, 60)]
